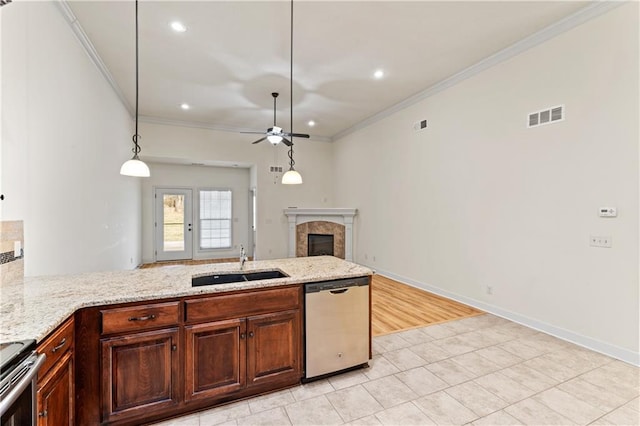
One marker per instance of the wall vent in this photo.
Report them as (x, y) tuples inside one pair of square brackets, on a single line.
[(275, 169), (546, 116), (422, 124)]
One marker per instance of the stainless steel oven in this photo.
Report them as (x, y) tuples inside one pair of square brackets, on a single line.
[(19, 365)]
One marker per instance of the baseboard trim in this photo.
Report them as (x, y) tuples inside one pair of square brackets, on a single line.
[(596, 345)]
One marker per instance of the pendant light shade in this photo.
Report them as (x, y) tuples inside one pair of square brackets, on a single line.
[(274, 139), (292, 177), (135, 167)]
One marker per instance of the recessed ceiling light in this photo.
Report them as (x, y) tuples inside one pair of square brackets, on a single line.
[(311, 123), (378, 74), (178, 27), (185, 106)]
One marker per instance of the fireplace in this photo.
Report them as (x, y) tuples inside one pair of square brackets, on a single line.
[(319, 245), (337, 222)]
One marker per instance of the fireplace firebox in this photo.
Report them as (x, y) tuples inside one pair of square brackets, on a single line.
[(319, 245)]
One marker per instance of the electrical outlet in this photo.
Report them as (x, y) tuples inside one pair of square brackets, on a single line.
[(604, 242)]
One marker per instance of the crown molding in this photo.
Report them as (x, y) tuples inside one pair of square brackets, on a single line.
[(583, 15)]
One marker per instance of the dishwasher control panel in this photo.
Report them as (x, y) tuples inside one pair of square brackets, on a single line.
[(336, 284)]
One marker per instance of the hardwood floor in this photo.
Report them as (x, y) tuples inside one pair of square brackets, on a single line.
[(397, 306)]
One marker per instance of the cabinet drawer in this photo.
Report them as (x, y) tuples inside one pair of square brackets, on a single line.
[(55, 346), (134, 318), (242, 304)]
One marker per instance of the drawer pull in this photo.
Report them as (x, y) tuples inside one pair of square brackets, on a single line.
[(60, 345), (251, 334), (143, 318), (242, 335)]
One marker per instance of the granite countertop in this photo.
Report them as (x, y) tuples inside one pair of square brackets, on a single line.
[(35, 306)]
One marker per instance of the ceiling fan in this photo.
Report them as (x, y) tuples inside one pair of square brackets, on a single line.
[(274, 134)]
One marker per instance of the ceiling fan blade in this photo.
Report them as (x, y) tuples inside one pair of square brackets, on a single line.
[(297, 135), (259, 140), (254, 133), (287, 142)]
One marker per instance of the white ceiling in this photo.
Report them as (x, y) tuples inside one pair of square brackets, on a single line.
[(235, 53)]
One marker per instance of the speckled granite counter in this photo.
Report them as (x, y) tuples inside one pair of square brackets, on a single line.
[(33, 307)]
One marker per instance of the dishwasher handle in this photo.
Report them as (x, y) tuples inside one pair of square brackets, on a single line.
[(339, 290)]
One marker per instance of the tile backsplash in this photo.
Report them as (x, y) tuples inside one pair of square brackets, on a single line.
[(11, 261)]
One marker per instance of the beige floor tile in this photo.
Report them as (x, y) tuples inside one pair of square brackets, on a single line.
[(494, 336), (314, 411), (422, 381), (520, 348), (415, 336), (225, 413), (455, 345), (550, 366), (499, 356), (476, 363), (365, 421), (191, 420), (429, 352), (406, 414), (353, 403), (274, 417), (444, 409), (391, 342), (345, 380), (389, 391), (529, 378), (476, 339), (622, 416), (504, 387), (404, 359), (461, 326), (270, 401), (379, 366), (498, 418), (311, 390), (515, 329), (592, 394), (531, 412), (569, 406), (476, 398), (451, 372), (439, 331), (634, 404), (617, 377)]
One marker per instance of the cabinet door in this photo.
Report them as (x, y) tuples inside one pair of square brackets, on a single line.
[(215, 355), (139, 373), (273, 347), (55, 394)]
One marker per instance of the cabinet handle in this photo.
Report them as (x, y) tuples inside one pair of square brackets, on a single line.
[(174, 347), (251, 334), (60, 345), (243, 335), (143, 318), (42, 414)]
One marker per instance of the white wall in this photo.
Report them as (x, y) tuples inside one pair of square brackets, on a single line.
[(479, 200), (198, 177), (313, 161), (64, 137)]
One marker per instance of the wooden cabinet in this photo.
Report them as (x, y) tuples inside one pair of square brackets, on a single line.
[(55, 389)]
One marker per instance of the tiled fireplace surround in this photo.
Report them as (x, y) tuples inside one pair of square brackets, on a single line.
[(327, 221)]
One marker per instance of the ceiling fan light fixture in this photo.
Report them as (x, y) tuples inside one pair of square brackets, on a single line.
[(274, 139)]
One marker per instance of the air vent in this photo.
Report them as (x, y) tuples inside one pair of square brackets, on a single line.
[(420, 125), (546, 116)]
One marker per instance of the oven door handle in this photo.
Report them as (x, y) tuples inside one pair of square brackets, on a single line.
[(32, 366)]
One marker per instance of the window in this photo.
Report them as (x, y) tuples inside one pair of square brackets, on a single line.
[(215, 219)]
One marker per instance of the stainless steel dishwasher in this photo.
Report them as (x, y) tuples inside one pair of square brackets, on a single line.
[(337, 326)]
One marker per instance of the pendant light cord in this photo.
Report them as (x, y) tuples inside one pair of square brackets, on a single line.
[(136, 148), (291, 162)]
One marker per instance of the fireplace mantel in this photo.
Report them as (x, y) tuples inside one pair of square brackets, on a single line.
[(342, 216)]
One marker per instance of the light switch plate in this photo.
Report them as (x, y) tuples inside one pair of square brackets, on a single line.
[(597, 241), (17, 248), (608, 212)]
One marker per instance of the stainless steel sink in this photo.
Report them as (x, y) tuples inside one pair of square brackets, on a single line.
[(236, 277)]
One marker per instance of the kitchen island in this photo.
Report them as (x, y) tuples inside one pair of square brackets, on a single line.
[(145, 345)]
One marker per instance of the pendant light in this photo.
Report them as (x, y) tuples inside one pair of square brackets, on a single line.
[(291, 177), (135, 166)]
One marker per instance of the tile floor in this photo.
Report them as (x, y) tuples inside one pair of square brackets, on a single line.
[(482, 370)]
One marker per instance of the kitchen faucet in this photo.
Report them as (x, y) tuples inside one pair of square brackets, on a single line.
[(243, 257)]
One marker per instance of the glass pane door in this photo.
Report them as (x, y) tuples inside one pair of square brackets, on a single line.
[(173, 224)]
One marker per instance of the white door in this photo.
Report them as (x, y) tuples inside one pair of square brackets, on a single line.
[(174, 220)]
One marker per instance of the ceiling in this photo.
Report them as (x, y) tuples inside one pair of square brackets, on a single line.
[(235, 53)]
